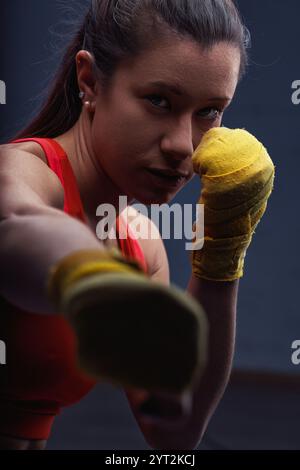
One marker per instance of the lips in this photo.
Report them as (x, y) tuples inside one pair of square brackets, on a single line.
[(166, 179), (167, 173)]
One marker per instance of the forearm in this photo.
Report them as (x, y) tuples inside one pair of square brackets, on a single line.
[(30, 245), (219, 300)]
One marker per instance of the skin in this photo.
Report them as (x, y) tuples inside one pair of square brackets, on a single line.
[(120, 134)]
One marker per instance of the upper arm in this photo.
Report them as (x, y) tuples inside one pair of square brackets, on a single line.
[(152, 246), (158, 261), (26, 183)]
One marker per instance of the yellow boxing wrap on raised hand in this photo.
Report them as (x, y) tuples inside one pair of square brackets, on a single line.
[(237, 178)]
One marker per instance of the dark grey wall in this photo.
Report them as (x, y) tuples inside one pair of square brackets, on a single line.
[(268, 308)]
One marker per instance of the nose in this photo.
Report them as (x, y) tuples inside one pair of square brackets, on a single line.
[(178, 141)]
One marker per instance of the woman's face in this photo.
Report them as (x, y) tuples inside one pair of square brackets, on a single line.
[(148, 125)]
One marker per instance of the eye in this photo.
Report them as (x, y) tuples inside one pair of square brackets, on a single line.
[(210, 113), (153, 98)]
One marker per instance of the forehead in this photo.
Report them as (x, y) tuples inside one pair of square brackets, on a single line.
[(184, 63)]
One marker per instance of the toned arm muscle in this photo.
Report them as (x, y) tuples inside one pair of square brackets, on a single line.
[(35, 232)]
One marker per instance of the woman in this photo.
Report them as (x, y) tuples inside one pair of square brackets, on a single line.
[(141, 84)]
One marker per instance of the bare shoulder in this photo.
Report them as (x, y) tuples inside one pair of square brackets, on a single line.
[(30, 146), (25, 168), (151, 243)]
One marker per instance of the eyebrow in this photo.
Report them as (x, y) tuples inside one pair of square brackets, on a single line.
[(177, 90)]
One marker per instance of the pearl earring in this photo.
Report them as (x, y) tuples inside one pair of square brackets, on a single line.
[(81, 94)]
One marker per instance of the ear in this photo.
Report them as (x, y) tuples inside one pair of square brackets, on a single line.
[(86, 77)]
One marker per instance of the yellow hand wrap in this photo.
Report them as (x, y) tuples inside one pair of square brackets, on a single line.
[(237, 177), (86, 265), (130, 331)]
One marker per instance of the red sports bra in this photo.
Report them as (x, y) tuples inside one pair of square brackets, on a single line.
[(40, 376)]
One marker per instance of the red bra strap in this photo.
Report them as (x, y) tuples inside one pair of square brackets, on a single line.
[(58, 162)]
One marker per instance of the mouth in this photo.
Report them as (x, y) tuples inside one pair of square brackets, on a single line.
[(168, 177)]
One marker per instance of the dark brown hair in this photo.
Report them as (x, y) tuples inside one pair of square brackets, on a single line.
[(113, 30)]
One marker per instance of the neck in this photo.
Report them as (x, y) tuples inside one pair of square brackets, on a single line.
[(95, 186)]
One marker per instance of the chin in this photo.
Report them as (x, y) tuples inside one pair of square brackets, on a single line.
[(153, 200), (162, 198)]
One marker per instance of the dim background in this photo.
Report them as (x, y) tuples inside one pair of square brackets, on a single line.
[(268, 305)]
